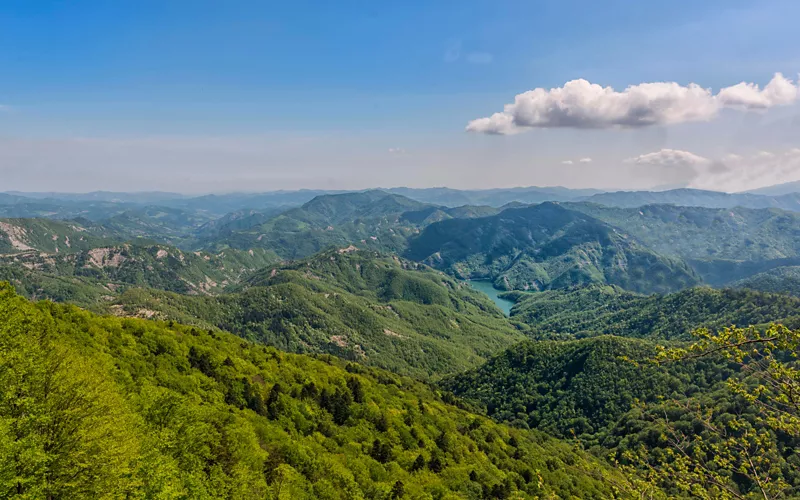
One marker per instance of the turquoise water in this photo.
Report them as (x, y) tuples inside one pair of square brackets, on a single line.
[(486, 287)]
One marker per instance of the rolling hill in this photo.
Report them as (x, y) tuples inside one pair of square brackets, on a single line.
[(354, 304), (368, 219), (779, 280), (603, 310), (95, 407)]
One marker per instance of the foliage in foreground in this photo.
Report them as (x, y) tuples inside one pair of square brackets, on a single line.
[(104, 407), (608, 395), (744, 454)]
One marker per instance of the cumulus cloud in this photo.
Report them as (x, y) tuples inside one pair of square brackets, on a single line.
[(732, 172), (779, 91), (567, 162), (669, 157), (585, 105), (585, 160)]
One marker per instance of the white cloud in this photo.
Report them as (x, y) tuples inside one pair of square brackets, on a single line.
[(396, 151), (730, 173), (581, 104), (779, 91), (732, 157), (585, 160), (669, 157), (480, 58), (567, 162)]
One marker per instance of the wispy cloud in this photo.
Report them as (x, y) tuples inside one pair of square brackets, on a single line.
[(567, 162), (732, 172), (452, 51), (584, 105), (585, 160), (479, 58), (396, 151)]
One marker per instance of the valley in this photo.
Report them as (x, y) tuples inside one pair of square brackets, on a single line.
[(357, 341), (544, 250)]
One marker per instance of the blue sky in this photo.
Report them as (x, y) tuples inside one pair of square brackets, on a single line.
[(209, 95)]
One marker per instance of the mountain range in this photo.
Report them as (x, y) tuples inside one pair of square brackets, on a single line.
[(329, 345)]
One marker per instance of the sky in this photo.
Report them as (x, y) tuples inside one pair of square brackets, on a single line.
[(210, 96)]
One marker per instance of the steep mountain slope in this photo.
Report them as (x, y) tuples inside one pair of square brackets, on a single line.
[(565, 386), (95, 407), (93, 276), (376, 310), (432, 214), (367, 219), (543, 247), (696, 198), (705, 233), (44, 235), (370, 218), (606, 393), (592, 311), (779, 280)]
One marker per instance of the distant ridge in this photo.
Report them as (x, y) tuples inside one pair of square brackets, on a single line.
[(696, 198), (547, 246), (777, 189)]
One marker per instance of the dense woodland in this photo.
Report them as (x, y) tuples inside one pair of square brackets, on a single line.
[(328, 345), (107, 407)]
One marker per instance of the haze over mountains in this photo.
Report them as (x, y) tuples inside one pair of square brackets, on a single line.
[(361, 344), (697, 237)]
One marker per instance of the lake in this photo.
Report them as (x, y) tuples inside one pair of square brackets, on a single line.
[(486, 287)]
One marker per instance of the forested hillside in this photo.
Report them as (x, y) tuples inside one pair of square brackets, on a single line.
[(44, 235), (169, 225), (357, 305), (607, 394), (604, 310), (545, 247), (721, 245), (93, 277), (692, 232), (778, 280), (262, 250), (342, 309), (369, 219), (94, 407)]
